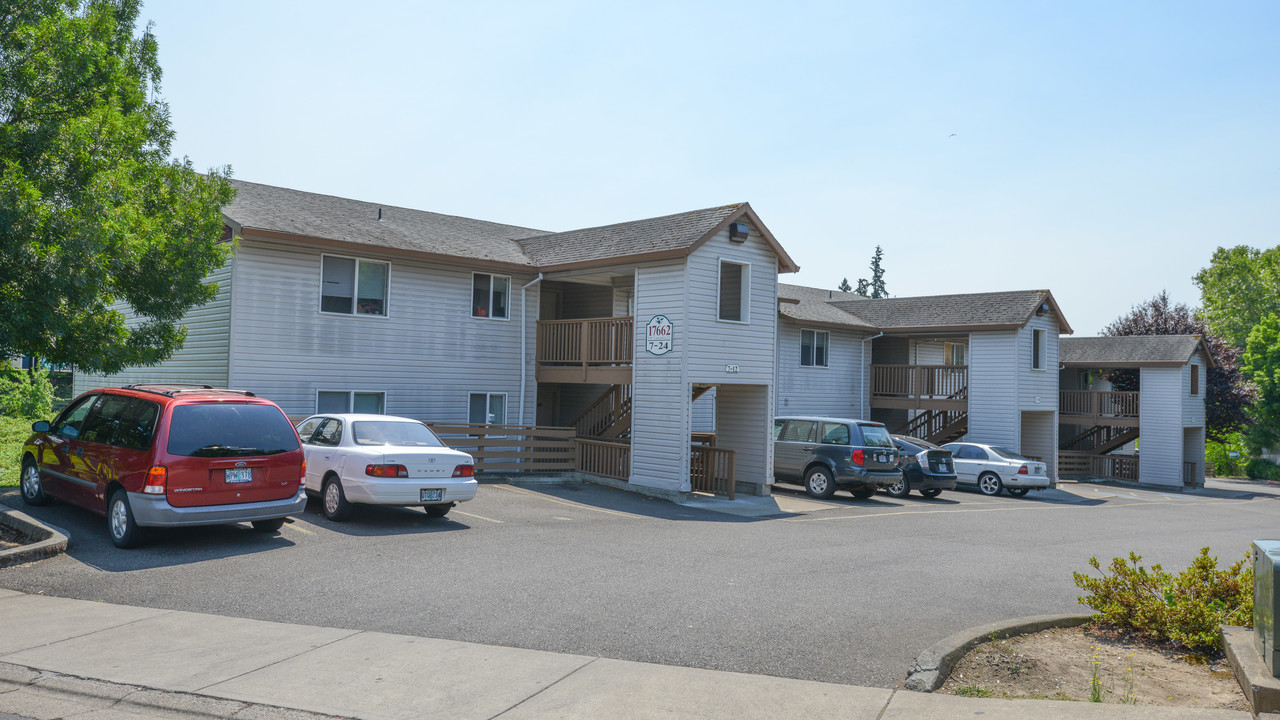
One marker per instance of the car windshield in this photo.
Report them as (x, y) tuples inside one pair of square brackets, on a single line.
[(1009, 454), (393, 432), (230, 430), (875, 436)]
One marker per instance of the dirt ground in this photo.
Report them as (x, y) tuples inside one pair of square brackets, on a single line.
[(1058, 665), (10, 538)]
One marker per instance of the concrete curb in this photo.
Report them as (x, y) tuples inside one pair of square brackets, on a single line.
[(932, 666), (49, 540), (1259, 685)]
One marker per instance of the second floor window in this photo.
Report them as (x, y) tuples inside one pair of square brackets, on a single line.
[(735, 289), (813, 348), (353, 287), (1037, 349), (489, 295)]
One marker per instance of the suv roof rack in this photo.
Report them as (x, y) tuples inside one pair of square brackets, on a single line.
[(172, 389)]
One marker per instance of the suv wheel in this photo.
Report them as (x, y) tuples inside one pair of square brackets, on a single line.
[(32, 488), (989, 484), (124, 532), (818, 483)]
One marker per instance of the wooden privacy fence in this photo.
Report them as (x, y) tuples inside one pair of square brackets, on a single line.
[(712, 470), (1096, 403), (949, 381), (511, 448), (603, 457)]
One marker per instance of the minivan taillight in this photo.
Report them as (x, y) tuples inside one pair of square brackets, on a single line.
[(858, 457), (1022, 470), (464, 471), (302, 479), (156, 479), (386, 471)]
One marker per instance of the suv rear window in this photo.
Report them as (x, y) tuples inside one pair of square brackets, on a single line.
[(875, 436), (230, 430)]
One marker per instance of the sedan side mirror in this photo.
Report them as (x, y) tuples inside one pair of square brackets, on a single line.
[(40, 426)]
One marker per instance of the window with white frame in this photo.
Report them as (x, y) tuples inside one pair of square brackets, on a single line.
[(345, 401), (487, 409), (349, 286), (954, 353), (813, 348), (735, 289), (1037, 349), (1195, 379), (490, 295)]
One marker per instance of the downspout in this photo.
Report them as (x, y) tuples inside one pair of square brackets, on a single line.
[(524, 341), (866, 378)]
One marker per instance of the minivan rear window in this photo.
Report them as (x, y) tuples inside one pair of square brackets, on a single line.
[(875, 436), (230, 430)]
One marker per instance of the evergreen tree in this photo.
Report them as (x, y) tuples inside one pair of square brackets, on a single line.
[(844, 285)]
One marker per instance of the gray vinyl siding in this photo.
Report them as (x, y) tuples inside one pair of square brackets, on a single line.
[(202, 358), (1038, 389), (1040, 438), (704, 412), (427, 354), (750, 345), (1193, 405), (993, 388), (929, 353), (837, 390), (740, 408), (661, 389), (1160, 418)]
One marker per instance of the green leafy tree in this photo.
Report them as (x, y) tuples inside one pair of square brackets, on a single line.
[(27, 394), (93, 211), (875, 287), (844, 285), (1262, 364), (1240, 286)]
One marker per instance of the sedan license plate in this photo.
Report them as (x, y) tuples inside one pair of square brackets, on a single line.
[(434, 495), (239, 475)]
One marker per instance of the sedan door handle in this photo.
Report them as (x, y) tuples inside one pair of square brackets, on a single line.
[(807, 447)]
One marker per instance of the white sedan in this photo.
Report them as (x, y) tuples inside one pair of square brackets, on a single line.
[(382, 460), (992, 469)]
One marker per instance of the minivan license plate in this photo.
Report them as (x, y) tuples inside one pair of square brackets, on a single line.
[(239, 475), (435, 495)]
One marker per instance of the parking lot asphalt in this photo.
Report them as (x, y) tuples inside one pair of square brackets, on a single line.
[(837, 591)]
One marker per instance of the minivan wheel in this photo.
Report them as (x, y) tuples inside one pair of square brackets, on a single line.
[(900, 489), (989, 484), (266, 526), (124, 532), (32, 488), (334, 501), (818, 483)]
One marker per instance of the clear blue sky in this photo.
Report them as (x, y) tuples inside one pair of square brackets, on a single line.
[(1100, 149)]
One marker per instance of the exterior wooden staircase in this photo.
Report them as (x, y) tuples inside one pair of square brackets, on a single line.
[(937, 426), (1101, 439), (608, 417)]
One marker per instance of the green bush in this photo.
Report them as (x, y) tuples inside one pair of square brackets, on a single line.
[(1219, 453), (26, 394), (1184, 609), (1260, 469)]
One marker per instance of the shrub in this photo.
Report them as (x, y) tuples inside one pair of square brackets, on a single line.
[(26, 394), (1184, 610), (1219, 453), (1260, 469)]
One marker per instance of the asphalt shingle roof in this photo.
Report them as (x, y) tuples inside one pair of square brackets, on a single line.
[(638, 237), (814, 305), (1128, 350), (969, 310), (324, 216)]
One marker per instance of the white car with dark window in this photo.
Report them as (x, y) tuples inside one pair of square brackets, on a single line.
[(354, 458), (992, 468)]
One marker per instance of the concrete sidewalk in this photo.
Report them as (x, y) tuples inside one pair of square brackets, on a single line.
[(372, 675)]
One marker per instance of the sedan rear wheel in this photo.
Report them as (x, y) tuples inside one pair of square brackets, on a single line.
[(1017, 492), (437, 510), (864, 493), (818, 483), (900, 489), (334, 501), (931, 492), (989, 484)]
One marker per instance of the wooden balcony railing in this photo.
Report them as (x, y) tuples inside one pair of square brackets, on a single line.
[(590, 350), (713, 470), (604, 458), (1110, 407), (1083, 464), (1189, 474), (920, 386)]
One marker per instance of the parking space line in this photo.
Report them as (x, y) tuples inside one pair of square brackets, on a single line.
[(1010, 506), (580, 506), (299, 528), (478, 517)]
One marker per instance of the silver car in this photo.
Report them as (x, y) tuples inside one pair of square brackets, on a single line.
[(992, 468)]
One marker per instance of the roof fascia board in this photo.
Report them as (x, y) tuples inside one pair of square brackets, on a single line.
[(1064, 328), (348, 246), (832, 325), (785, 263), (621, 261), (1107, 365)]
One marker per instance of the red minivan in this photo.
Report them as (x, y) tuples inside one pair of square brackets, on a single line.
[(168, 455)]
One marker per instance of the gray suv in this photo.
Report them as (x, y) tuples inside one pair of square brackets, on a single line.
[(827, 454)]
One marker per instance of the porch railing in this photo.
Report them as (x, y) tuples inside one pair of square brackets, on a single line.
[(1097, 403), (1083, 464), (910, 381), (1189, 473), (589, 342), (604, 458), (511, 448), (712, 470)]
